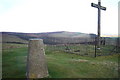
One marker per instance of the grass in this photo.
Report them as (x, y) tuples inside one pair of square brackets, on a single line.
[(14, 63), (60, 64), (11, 45), (63, 65), (84, 49)]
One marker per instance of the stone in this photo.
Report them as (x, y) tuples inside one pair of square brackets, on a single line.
[(36, 62)]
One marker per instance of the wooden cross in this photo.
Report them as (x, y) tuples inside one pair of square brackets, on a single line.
[(99, 14)]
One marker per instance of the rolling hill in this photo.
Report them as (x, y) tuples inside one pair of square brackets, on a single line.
[(61, 37), (6, 38)]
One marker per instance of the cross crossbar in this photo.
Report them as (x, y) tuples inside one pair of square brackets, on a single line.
[(98, 6)]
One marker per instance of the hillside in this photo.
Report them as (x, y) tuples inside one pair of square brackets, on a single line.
[(60, 37), (66, 34), (6, 38)]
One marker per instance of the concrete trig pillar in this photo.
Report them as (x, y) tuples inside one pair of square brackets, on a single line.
[(36, 63)]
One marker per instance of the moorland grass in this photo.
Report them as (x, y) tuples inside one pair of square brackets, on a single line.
[(14, 63), (60, 64)]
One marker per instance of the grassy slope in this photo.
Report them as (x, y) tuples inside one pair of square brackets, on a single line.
[(12, 38), (14, 62), (61, 65)]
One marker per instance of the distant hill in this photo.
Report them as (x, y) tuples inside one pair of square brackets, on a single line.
[(6, 38), (65, 34), (60, 37)]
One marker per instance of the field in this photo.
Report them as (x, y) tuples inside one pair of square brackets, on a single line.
[(61, 64)]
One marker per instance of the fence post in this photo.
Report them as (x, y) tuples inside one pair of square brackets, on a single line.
[(36, 63)]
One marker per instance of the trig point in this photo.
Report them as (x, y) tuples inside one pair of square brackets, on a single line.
[(99, 7), (36, 63)]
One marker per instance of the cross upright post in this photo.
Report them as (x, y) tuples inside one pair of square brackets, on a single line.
[(99, 20)]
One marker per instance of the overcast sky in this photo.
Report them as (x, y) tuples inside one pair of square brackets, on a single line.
[(57, 15)]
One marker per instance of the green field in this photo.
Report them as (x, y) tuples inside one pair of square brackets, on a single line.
[(60, 64)]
